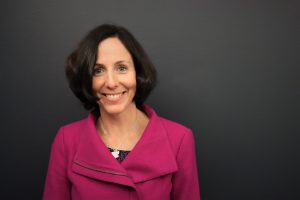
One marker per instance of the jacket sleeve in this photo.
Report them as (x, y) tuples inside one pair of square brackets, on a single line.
[(57, 185), (185, 180)]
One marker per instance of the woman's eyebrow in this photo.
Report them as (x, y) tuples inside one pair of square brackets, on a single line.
[(116, 63), (122, 61), (98, 65)]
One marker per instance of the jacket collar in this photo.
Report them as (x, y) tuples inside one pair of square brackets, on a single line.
[(151, 157)]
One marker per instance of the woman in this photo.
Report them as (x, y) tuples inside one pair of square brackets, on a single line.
[(123, 149)]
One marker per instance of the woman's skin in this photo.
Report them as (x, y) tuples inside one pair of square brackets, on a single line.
[(114, 82)]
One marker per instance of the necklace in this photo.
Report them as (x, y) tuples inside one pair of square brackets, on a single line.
[(116, 150)]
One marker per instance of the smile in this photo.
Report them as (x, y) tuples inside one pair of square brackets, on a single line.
[(113, 97)]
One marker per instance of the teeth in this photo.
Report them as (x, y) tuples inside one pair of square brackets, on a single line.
[(113, 96)]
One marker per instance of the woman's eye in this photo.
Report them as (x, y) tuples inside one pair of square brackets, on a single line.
[(98, 71), (122, 68)]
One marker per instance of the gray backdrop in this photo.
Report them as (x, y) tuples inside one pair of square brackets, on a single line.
[(227, 69)]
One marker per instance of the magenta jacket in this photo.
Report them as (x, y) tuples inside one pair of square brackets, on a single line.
[(162, 165)]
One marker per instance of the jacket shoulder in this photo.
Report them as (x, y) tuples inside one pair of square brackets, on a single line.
[(174, 127), (74, 127), (179, 136), (71, 132)]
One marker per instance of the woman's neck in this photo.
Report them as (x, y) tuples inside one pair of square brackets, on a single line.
[(121, 123), (122, 131)]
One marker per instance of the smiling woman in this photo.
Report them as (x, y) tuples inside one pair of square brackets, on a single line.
[(123, 149), (114, 81)]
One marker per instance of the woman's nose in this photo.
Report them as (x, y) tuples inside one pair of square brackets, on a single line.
[(111, 80)]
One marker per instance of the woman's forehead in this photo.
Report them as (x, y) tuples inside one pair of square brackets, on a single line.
[(112, 49)]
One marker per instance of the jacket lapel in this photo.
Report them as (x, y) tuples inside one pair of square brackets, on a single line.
[(151, 157), (94, 160)]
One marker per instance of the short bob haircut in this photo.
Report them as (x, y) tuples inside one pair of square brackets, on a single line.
[(80, 65)]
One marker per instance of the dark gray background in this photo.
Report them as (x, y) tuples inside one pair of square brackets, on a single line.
[(227, 69)]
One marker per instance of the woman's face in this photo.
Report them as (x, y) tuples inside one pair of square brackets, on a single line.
[(114, 78)]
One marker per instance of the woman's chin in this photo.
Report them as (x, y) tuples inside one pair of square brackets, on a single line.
[(114, 109)]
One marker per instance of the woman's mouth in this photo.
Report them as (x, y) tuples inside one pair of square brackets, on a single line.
[(114, 96)]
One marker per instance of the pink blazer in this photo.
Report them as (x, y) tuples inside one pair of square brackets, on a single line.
[(161, 166)]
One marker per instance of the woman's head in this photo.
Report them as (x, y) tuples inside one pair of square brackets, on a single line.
[(80, 65)]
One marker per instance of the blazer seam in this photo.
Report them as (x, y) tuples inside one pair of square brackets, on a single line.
[(168, 135), (180, 146), (65, 158), (63, 142), (98, 169)]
